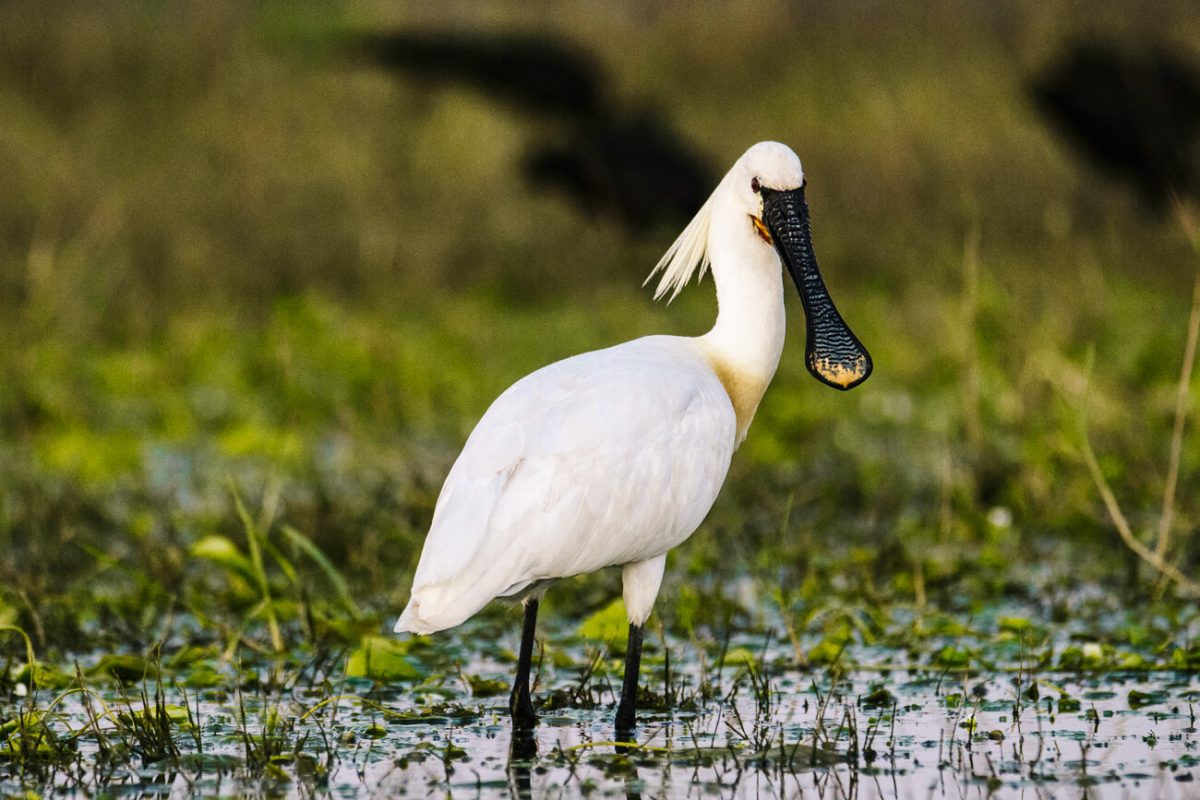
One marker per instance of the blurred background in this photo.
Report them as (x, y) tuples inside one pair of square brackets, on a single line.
[(289, 252)]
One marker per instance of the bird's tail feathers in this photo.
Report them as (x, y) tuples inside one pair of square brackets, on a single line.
[(429, 612)]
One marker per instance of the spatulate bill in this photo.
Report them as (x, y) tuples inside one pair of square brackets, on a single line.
[(833, 353)]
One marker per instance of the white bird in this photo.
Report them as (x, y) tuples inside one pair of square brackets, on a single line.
[(613, 457)]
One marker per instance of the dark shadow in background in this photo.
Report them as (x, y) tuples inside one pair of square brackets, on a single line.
[(1134, 114), (630, 166)]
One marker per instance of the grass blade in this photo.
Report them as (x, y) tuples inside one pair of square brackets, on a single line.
[(312, 551)]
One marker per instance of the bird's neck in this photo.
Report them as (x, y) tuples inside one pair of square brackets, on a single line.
[(744, 346)]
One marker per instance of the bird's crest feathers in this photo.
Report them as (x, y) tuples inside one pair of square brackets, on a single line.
[(774, 163), (687, 255)]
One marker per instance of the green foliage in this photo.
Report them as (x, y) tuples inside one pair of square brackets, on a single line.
[(128, 668), (1138, 699), (878, 697), (608, 626), (383, 659), (29, 738), (242, 345), (486, 687), (226, 554), (829, 650)]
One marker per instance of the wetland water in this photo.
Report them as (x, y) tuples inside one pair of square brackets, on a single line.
[(752, 726)]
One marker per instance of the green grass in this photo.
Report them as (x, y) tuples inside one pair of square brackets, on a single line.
[(248, 293), (338, 427), (253, 299)]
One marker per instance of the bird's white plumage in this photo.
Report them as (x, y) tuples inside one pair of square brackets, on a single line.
[(603, 459), (613, 457)]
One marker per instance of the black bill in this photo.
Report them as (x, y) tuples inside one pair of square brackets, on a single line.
[(833, 353)]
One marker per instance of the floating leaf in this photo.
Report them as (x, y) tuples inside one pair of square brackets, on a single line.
[(203, 676), (128, 668), (1068, 704), (740, 656), (609, 625), (486, 687), (878, 697), (382, 659), (1139, 699), (951, 656)]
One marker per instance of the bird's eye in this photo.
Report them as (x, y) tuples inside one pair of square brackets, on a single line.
[(755, 185)]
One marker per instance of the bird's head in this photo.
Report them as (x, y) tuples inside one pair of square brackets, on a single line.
[(766, 165), (765, 187), (833, 353)]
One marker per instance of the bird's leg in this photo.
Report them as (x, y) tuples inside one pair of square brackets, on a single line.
[(520, 705), (627, 710)]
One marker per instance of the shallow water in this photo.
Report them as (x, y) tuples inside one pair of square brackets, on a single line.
[(765, 729)]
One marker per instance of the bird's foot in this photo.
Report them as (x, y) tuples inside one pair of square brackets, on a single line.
[(520, 708)]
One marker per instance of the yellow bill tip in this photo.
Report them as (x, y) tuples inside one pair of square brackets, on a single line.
[(840, 374)]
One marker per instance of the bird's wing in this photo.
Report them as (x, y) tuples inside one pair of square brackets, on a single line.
[(606, 458)]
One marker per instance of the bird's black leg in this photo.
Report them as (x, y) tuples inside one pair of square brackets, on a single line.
[(520, 705), (627, 710)]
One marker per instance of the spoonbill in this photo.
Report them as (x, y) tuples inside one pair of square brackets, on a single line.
[(613, 457)]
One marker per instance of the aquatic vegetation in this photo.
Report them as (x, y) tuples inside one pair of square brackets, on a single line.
[(241, 347), (297, 720), (226, 611)]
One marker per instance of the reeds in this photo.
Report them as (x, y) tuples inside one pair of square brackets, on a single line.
[(1157, 556)]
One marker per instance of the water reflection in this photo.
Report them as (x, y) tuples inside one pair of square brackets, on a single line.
[(633, 781), (522, 753), (922, 733), (523, 760)]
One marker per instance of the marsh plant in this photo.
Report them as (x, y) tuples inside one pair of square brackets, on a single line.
[(248, 317)]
